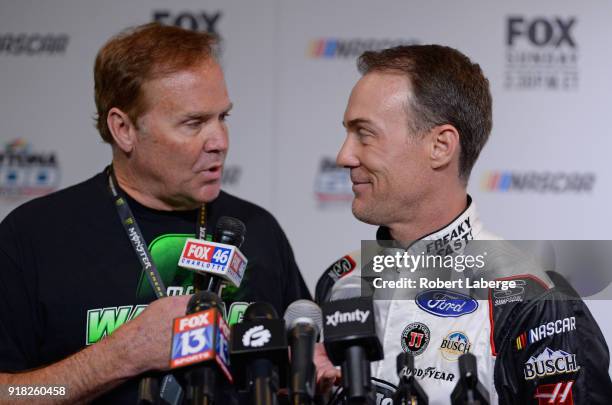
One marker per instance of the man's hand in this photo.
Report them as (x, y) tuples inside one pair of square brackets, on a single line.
[(140, 345), (146, 340), (327, 373)]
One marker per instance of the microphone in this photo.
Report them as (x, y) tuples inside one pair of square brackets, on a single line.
[(350, 338), (350, 287), (469, 391), (304, 321), (200, 340), (213, 264), (409, 392), (230, 231), (218, 261), (259, 353)]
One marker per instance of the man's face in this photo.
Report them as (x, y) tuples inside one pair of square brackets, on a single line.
[(388, 163), (182, 137)]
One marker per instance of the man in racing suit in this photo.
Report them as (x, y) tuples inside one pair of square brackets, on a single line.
[(416, 122), (538, 317)]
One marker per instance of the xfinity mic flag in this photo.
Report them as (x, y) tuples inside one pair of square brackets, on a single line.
[(200, 337), (351, 341), (350, 322), (218, 259)]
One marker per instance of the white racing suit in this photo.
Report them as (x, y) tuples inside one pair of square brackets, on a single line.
[(536, 343)]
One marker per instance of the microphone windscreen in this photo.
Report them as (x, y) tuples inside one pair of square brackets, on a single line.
[(260, 310), (230, 231), (404, 361), (350, 287), (202, 300), (467, 367), (304, 312)]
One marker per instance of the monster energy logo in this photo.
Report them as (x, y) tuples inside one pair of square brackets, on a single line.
[(139, 246)]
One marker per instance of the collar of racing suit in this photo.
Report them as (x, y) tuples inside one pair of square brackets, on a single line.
[(466, 226)]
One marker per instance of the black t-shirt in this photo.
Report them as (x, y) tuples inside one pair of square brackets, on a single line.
[(69, 275)]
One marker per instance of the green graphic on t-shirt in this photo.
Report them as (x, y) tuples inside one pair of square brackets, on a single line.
[(102, 322), (165, 251), (236, 312)]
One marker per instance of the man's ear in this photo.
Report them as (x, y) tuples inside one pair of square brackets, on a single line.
[(445, 145), (122, 129)]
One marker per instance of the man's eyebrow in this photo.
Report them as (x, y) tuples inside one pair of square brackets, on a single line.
[(204, 115), (355, 122), (228, 108)]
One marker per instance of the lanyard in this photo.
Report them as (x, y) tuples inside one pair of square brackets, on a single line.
[(135, 235)]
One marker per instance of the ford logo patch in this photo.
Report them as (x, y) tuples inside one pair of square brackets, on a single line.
[(447, 304)]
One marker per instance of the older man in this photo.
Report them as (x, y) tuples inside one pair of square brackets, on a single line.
[(72, 272), (416, 123)]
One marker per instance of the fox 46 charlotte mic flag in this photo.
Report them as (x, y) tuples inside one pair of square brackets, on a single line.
[(201, 337), (218, 259)]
